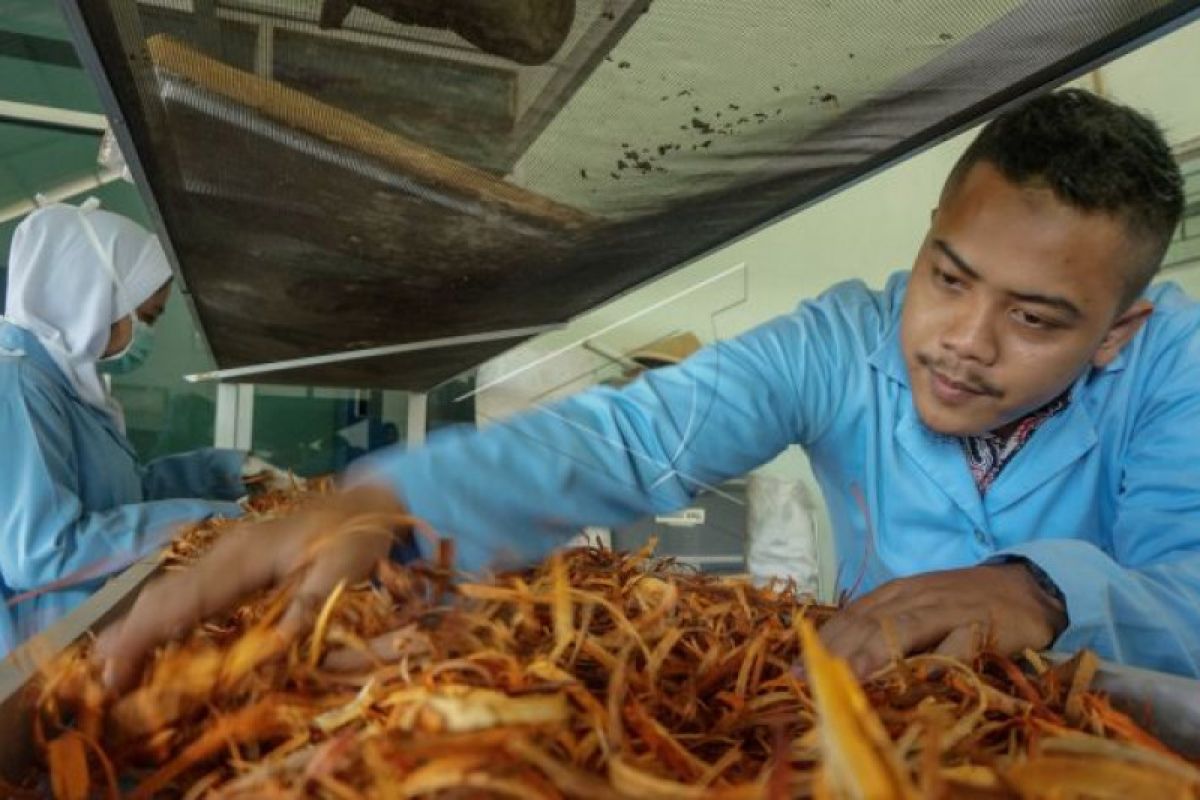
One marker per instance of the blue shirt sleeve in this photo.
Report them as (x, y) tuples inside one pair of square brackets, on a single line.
[(1135, 600), (48, 534), (210, 473), (509, 493)]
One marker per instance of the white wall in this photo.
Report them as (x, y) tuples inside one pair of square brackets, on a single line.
[(867, 231), (1160, 79)]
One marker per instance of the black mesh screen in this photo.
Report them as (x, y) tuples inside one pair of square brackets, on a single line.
[(343, 175)]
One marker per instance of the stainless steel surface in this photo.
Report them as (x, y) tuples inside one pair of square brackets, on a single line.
[(1168, 705)]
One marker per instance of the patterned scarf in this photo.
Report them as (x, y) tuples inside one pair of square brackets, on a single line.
[(988, 454)]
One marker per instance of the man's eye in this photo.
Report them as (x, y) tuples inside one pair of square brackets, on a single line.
[(1030, 320), (946, 279)]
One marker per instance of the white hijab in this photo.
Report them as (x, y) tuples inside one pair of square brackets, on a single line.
[(72, 273)]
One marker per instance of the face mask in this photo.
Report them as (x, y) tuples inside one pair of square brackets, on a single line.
[(134, 354)]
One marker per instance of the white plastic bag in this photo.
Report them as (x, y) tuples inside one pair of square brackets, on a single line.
[(781, 531)]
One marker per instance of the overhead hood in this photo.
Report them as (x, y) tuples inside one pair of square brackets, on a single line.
[(336, 177)]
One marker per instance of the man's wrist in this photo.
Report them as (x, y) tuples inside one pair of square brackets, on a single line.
[(1045, 583), (1053, 601)]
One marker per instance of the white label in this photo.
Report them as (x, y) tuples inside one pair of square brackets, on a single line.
[(687, 518)]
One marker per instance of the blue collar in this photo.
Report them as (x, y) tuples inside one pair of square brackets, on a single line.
[(888, 358)]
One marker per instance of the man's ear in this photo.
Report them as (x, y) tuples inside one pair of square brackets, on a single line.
[(1122, 330)]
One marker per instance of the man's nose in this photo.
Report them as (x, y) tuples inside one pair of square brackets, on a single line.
[(971, 334)]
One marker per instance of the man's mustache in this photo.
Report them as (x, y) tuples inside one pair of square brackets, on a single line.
[(952, 371)]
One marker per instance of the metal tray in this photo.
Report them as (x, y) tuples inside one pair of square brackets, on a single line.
[(16, 746), (1167, 705)]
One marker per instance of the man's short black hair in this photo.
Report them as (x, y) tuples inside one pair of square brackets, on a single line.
[(1095, 155)]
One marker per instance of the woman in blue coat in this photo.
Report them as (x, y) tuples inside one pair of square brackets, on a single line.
[(75, 504)]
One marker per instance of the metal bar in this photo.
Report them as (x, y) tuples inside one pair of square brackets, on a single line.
[(59, 193), (234, 427), (244, 439), (418, 419), (50, 117), (225, 426), (371, 352)]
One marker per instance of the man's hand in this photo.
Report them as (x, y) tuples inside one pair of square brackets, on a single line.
[(324, 541), (952, 613)]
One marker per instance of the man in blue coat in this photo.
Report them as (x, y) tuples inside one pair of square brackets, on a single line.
[(84, 287), (1006, 436)]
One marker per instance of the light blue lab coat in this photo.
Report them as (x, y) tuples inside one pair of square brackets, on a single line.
[(1105, 497), (73, 496)]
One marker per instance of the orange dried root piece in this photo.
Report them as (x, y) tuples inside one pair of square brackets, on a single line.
[(458, 709), (271, 716), (69, 775), (859, 761), (1062, 777)]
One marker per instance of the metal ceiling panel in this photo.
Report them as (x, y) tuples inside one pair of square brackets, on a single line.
[(337, 175)]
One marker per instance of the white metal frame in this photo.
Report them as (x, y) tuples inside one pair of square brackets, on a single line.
[(60, 193), (418, 419), (370, 352), (235, 416), (12, 111)]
